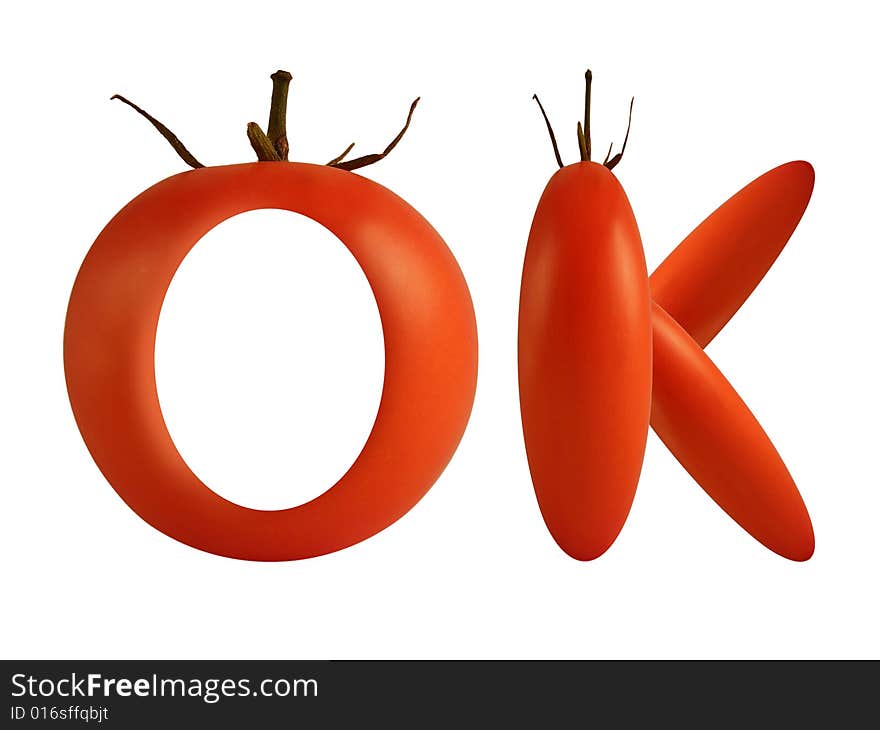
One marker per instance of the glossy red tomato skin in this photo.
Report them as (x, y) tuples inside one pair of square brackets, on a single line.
[(697, 414), (430, 357), (710, 430), (708, 276), (585, 364)]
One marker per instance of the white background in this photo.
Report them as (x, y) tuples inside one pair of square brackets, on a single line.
[(270, 356)]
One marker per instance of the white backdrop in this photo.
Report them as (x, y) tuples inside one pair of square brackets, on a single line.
[(269, 355)]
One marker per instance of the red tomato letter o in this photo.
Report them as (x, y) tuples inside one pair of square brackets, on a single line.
[(430, 357)]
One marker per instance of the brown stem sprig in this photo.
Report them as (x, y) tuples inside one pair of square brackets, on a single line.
[(266, 151), (178, 146), (358, 162), (585, 145), (549, 130), (277, 129), (273, 145)]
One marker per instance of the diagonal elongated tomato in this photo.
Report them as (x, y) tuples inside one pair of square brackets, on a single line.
[(713, 434), (430, 356), (703, 282), (584, 357), (709, 275)]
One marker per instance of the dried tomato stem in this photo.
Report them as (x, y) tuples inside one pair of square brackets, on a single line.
[(359, 162), (277, 129), (260, 142), (588, 144), (339, 158), (585, 145), (178, 146), (582, 144), (608, 156), (272, 145), (549, 130), (610, 164)]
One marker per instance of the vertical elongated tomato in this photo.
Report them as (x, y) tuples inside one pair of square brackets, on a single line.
[(585, 357)]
